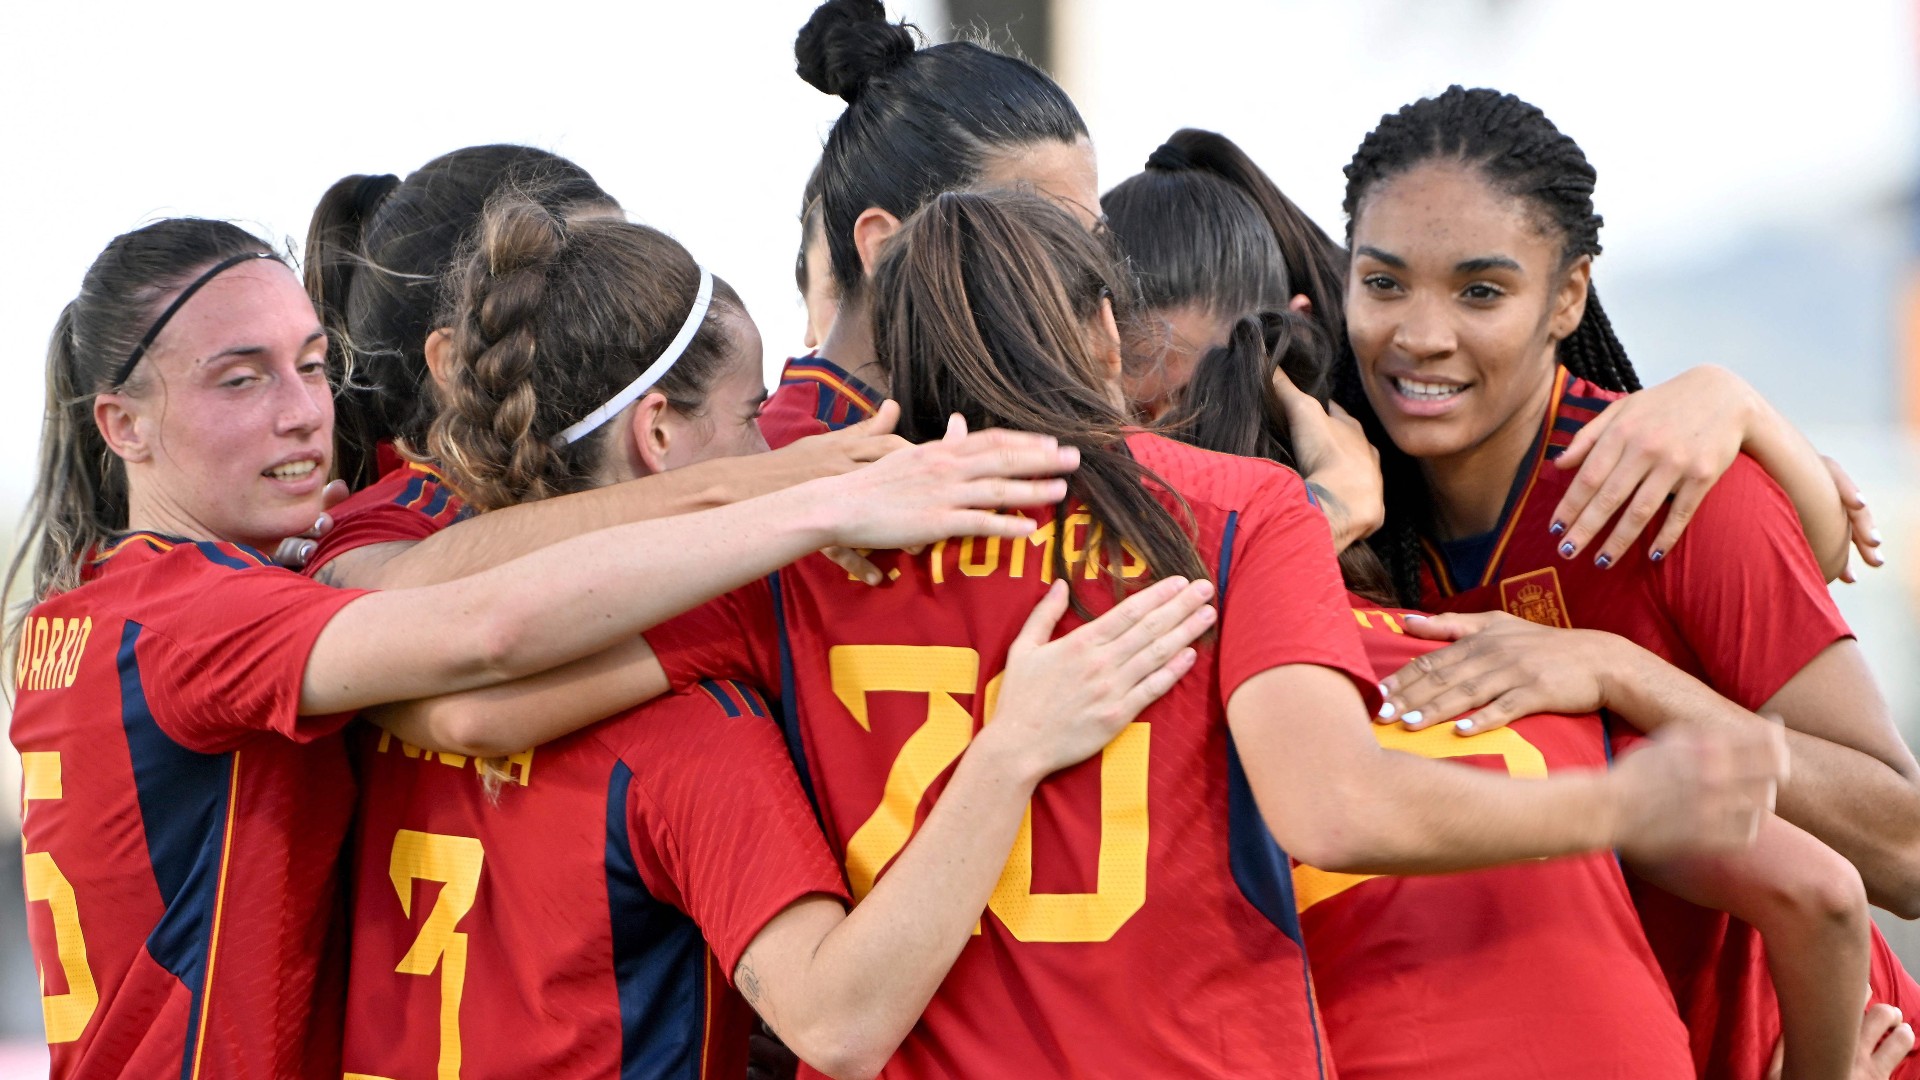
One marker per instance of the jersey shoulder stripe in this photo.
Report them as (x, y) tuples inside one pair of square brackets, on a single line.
[(844, 394), (659, 961), (186, 802)]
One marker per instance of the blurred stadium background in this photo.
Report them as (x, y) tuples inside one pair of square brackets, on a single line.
[(1758, 165)]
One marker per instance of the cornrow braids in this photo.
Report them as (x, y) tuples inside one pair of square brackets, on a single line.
[(1521, 153)]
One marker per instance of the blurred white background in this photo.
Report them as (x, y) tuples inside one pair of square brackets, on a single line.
[(1757, 167)]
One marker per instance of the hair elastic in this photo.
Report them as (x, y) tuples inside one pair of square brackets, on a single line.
[(126, 368), (655, 371)]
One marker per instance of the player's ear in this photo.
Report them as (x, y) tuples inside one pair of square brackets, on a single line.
[(649, 435), (1570, 301), (1106, 350), (873, 228)]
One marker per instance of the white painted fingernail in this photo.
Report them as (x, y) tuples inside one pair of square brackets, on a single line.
[(1386, 710), (1873, 535), (1412, 616), (1463, 725), (1411, 718)]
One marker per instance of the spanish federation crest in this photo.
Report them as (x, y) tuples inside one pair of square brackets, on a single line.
[(1535, 597)]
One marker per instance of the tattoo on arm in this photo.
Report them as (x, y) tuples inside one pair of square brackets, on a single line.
[(748, 982)]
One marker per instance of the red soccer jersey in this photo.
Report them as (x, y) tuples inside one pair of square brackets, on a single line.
[(815, 396), (1538, 969), (410, 503), (1741, 605), (182, 821), (588, 922), (1144, 924)]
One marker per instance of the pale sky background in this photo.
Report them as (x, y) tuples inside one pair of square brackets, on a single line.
[(1755, 159)]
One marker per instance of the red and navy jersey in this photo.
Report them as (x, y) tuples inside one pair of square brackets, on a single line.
[(815, 396), (1144, 924), (409, 503), (584, 919), (1556, 943), (182, 821), (1740, 603)]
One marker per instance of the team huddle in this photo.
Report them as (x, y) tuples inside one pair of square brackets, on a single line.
[(1141, 637)]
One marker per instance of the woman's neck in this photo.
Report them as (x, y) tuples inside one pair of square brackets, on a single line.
[(1470, 488), (849, 344)]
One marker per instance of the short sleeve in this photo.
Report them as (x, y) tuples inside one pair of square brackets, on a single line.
[(380, 522), (736, 636), (1744, 590), (1282, 600), (791, 414), (222, 654), (719, 825)]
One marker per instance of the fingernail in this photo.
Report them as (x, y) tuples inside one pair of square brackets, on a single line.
[(319, 523), (1556, 529), (1657, 555), (1413, 616), (307, 549), (1566, 550), (1873, 535), (1463, 725), (1411, 718), (1603, 561), (1386, 710)]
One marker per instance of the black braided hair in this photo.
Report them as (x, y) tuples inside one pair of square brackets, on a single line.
[(1519, 151)]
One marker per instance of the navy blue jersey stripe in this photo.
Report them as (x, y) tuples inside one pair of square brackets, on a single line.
[(752, 697), (412, 491), (441, 493), (720, 697), (214, 555), (1592, 404), (183, 810), (1259, 865), (659, 962), (790, 704)]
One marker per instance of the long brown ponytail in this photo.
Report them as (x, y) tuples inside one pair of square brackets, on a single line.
[(985, 305)]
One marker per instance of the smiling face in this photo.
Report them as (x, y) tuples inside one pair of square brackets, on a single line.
[(1455, 299), (226, 427)]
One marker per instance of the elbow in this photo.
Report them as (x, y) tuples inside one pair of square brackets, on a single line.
[(1829, 897), (461, 728), (1340, 838), (497, 648), (843, 1056), (1901, 895)]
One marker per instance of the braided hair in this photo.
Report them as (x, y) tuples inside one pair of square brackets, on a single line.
[(552, 316), (1517, 150)]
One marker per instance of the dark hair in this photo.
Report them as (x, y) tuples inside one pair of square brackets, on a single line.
[(1229, 405), (377, 250), (1519, 152), (982, 305), (1202, 224), (550, 319), (80, 497), (919, 121)]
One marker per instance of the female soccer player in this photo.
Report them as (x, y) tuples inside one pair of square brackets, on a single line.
[(186, 788), (1481, 352), (1562, 937), (681, 824), (378, 249), (999, 306), (919, 121), (1192, 222)]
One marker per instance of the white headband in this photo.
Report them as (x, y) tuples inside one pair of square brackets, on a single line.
[(655, 371)]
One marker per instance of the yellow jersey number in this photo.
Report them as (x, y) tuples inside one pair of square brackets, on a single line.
[(941, 673), (454, 862), (66, 1014), (1312, 884)]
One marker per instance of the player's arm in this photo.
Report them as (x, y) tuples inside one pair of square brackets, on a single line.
[(1855, 785), (1809, 906), (488, 540), (1334, 798), (1676, 440), (575, 598), (842, 989)]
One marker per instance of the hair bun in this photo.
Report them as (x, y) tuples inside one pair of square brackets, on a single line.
[(1169, 158), (847, 43)]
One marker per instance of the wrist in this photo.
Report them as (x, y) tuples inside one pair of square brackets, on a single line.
[(997, 752), (816, 510)]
